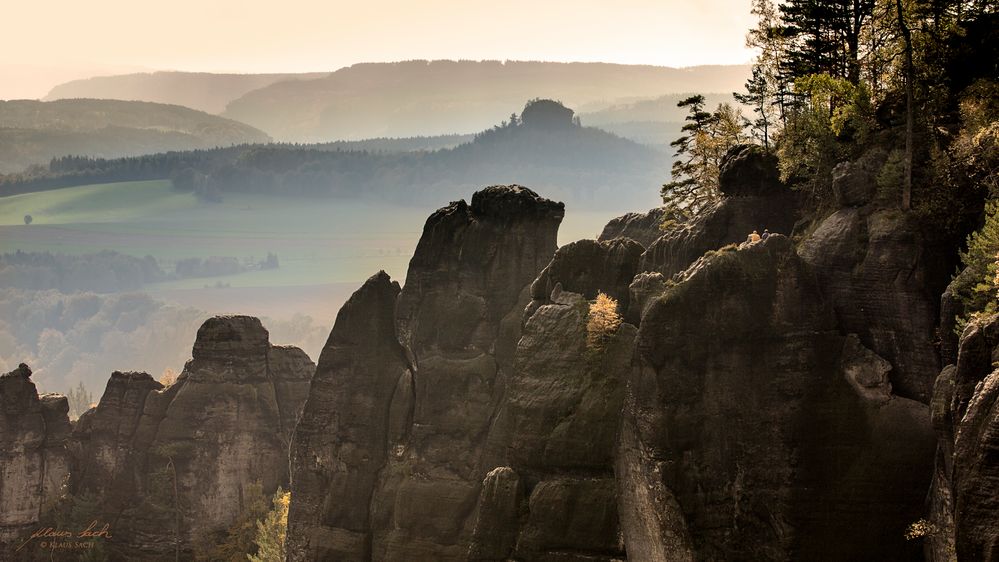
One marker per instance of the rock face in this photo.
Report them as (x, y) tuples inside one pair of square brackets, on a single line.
[(854, 183), (643, 228), (34, 459), (964, 504), (416, 467), (589, 267), (748, 170), (221, 428), (359, 408), (880, 273), (105, 462), (558, 423), (754, 431), (729, 222)]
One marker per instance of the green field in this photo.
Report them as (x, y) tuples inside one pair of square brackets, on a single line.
[(319, 242)]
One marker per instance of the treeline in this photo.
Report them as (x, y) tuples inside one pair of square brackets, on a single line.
[(835, 80), (69, 338), (540, 150), (111, 272)]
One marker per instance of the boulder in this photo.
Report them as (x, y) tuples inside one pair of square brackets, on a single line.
[(855, 183), (643, 228), (749, 170)]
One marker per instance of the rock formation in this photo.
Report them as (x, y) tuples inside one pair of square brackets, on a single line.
[(558, 422), (34, 460), (172, 465), (729, 221), (883, 279), (589, 267), (754, 431), (963, 518), (644, 228), (415, 468), (743, 419)]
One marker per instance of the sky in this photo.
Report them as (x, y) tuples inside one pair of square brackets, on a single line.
[(47, 42)]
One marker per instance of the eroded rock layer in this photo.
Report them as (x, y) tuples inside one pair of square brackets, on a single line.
[(34, 459), (174, 465), (754, 431), (416, 467)]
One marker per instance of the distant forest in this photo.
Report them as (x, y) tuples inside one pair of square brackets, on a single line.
[(33, 132), (544, 147)]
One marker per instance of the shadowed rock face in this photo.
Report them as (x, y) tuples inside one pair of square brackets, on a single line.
[(359, 407), (559, 423), (34, 460), (589, 267), (881, 277), (223, 426), (964, 508), (748, 170), (102, 444), (752, 432), (415, 466), (728, 222), (643, 228)]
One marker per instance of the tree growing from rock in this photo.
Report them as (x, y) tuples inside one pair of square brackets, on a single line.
[(80, 400), (602, 322), (706, 138), (272, 530)]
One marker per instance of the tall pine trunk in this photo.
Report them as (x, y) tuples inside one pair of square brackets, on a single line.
[(907, 37)]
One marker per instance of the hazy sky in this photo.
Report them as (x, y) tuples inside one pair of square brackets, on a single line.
[(45, 42)]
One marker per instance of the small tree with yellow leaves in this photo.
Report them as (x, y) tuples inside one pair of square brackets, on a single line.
[(271, 531), (168, 377), (602, 322)]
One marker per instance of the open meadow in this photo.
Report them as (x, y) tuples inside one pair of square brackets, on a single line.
[(325, 247)]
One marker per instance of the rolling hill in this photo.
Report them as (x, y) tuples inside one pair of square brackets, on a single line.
[(34, 132), (421, 97), (198, 90)]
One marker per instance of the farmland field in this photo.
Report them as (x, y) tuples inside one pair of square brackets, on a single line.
[(326, 247)]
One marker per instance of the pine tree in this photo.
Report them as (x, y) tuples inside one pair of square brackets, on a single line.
[(699, 151), (824, 36)]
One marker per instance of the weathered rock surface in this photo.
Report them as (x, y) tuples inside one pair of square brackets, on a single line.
[(749, 170), (728, 222), (882, 277), (745, 434), (105, 460), (964, 503), (359, 408), (422, 462), (559, 422), (34, 459), (589, 267), (221, 428), (854, 182), (643, 228)]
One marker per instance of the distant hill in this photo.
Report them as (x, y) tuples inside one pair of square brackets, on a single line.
[(544, 148), (34, 132), (198, 90), (414, 98), (655, 121)]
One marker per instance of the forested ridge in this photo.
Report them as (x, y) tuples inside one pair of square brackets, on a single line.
[(545, 146)]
